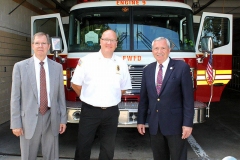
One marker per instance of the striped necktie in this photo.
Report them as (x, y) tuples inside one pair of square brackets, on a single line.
[(43, 91)]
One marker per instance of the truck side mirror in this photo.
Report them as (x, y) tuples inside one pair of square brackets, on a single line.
[(56, 44), (206, 44), (56, 48), (206, 47)]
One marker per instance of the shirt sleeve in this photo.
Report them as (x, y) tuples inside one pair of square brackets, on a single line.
[(78, 75), (126, 81)]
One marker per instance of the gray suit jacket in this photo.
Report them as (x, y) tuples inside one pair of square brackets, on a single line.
[(24, 98)]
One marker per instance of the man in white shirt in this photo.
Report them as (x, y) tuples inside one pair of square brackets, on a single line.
[(99, 80)]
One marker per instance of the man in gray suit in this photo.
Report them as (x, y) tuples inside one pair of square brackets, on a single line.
[(27, 121)]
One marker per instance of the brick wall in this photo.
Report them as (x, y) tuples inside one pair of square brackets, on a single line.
[(14, 46)]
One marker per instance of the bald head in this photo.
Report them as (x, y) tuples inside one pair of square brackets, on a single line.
[(108, 43)]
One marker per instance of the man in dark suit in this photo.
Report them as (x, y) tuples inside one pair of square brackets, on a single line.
[(166, 100), (37, 117)]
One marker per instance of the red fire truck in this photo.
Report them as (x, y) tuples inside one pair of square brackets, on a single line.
[(137, 23)]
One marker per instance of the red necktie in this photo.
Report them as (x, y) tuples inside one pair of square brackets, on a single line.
[(43, 91), (159, 79)]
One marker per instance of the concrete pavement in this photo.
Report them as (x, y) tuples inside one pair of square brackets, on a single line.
[(214, 139), (8, 157)]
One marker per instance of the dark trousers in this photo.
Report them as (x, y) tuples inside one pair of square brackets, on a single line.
[(93, 119), (168, 147)]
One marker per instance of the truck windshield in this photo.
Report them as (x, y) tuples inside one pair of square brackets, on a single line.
[(136, 27)]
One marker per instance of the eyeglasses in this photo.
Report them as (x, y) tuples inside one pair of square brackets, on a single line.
[(109, 40), (38, 44)]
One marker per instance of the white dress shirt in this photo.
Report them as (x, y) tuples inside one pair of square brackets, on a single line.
[(102, 79), (164, 69), (37, 71)]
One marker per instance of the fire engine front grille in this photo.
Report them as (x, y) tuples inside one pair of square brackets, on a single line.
[(136, 76)]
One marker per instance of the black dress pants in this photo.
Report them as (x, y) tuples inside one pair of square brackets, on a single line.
[(168, 147), (92, 120)]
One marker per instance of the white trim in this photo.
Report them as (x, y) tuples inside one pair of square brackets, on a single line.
[(146, 57), (58, 17), (223, 50), (113, 3), (216, 77)]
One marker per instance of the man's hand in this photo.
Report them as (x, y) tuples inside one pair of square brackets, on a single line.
[(141, 129), (186, 132), (17, 132), (62, 128), (123, 92)]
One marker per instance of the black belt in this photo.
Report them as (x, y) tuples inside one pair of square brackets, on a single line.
[(97, 106)]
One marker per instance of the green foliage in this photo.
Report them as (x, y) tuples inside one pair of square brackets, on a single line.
[(188, 42)]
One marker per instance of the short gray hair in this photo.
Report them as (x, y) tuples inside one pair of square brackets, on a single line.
[(161, 38), (41, 34)]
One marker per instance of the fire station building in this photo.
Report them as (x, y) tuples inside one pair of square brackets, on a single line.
[(15, 34)]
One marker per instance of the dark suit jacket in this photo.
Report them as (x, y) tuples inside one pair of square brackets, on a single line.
[(174, 107)]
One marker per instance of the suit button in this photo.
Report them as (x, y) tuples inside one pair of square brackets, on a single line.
[(158, 99), (156, 110)]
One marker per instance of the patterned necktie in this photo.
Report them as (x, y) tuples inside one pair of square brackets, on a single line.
[(43, 91), (159, 79)]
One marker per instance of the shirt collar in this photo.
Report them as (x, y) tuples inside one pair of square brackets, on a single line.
[(165, 63), (101, 56), (38, 61)]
